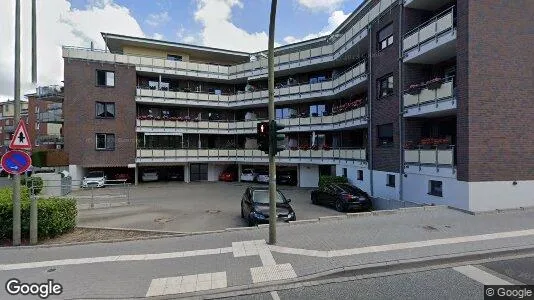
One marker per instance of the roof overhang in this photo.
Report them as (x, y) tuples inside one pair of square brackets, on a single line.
[(116, 42)]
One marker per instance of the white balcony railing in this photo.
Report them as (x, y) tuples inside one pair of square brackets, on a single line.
[(426, 94), (341, 120), (429, 30), (250, 155), (353, 76), (337, 46), (436, 157)]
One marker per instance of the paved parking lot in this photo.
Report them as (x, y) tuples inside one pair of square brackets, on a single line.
[(184, 207)]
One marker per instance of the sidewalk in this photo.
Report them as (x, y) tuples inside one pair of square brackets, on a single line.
[(146, 267)]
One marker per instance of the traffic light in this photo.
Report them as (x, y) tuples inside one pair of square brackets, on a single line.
[(262, 136), (277, 137)]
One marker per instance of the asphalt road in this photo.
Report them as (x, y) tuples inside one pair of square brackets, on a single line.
[(177, 206), (442, 283)]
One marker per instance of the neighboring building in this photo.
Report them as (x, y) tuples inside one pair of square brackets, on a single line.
[(46, 117), (7, 122), (420, 100)]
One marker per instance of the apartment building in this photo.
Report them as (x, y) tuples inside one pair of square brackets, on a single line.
[(45, 117), (7, 122), (416, 100)]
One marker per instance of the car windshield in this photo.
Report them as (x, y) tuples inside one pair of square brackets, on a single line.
[(95, 174), (263, 173), (247, 172), (262, 196)]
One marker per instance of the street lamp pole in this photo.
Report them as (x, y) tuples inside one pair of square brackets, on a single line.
[(272, 133), (16, 177)]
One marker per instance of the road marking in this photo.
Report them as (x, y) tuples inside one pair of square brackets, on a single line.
[(252, 248), (91, 260), (481, 276), (402, 246), (186, 284), (275, 296)]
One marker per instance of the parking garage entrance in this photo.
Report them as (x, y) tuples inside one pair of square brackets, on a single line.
[(198, 172)]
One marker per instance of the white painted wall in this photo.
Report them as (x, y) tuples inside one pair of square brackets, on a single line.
[(352, 175), (214, 170), (308, 175), (76, 173), (484, 196), (416, 187), (187, 173), (380, 188)]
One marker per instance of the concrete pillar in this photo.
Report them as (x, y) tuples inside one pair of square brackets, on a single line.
[(187, 173), (239, 169), (136, 175)]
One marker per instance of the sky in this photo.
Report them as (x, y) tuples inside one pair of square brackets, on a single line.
[(229, 24)]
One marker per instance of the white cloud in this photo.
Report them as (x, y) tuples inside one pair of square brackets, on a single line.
[(158, 36), (219, 31), (328, 5), (57, 24), (336, 18), (156, 20)]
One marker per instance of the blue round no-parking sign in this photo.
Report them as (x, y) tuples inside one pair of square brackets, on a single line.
[(16, 162)]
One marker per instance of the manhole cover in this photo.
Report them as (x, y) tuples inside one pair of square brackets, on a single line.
[(430, 228), (213, 211), (163, 220)]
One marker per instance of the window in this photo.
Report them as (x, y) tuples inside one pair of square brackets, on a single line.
[(317, 110), (391, 180), (105, 141), (435, 188), (37, 110), (105, 110), (360, 175), (105, 78), (345, 172), (385, 135), (385, 37), (385, 86), (174, 57), (285, 113), (37, 126)]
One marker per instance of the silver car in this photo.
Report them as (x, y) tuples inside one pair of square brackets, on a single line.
[(94, 179)]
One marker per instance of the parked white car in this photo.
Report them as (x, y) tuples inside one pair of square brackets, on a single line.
[(150, 175), (94, 179), (248, 175), (263, 177)]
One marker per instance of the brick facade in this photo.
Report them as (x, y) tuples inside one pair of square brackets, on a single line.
[(81, 124)]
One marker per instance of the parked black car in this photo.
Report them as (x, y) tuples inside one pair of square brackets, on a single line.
[(342, 196), (286, 177), (255, 206)]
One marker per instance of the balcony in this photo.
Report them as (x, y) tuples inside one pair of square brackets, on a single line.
[(350, 156), (50, 139), (433, 99), (344, 120), (430, 5), (51, 116), (351, 79), (433, 41), (9, 128), (53, 93), (434, 161)]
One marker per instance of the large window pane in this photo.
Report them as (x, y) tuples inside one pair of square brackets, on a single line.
[(110, 78), (100, 141)]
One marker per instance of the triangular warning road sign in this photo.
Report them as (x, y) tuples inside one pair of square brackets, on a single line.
[(21, 139)]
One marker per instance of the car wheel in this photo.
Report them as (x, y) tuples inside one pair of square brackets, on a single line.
[(242, 212), (340, 206), (250, 222)]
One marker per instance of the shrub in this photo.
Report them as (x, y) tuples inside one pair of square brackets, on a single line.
[(327, 179), (55, 215), (32, 182)]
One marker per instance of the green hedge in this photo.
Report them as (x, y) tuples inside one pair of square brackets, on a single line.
[(55, 215), (327, 179), (33, 181)]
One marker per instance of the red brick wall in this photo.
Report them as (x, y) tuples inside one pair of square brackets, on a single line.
[(81, 125), (500, 83)]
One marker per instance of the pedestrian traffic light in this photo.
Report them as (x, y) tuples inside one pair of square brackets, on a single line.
[(277, 141), (262, 137)]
